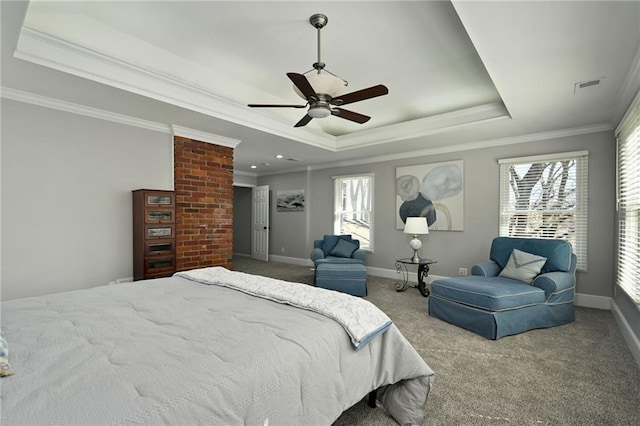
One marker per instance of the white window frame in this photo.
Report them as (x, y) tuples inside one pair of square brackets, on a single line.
[(579, 210), (339, 207), (628, 202)]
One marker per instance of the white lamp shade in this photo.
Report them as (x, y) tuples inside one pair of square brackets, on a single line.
[(324, 83), (416, 226)]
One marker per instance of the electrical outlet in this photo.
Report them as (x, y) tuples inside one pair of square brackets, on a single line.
[(282, 249), (463, 271)]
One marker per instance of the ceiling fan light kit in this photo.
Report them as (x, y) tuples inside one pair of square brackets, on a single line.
[(323, 90)]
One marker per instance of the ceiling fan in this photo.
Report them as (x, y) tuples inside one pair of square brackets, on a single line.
[(322, 88)]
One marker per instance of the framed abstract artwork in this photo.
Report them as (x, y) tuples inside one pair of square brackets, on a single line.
[(290, 201), (435, 191)]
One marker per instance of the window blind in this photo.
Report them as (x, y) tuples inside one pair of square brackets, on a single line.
[(628, 183), (353, 208), (546, 196)]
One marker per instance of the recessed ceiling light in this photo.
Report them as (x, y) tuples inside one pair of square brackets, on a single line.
[(279, 156), (254, 167)]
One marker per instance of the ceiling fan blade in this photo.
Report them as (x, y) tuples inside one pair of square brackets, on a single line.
[(302, 84), (360, 95), (275, 106), (350, 115), (306, 119)]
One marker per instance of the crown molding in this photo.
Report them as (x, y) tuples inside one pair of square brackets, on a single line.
[(489, 143), (423, 126), (629, 91), (204, 136), (53, 52), (57, 104), (43, 101), (62, 55)]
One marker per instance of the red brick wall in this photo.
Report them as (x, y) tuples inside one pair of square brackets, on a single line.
[(203, 181)]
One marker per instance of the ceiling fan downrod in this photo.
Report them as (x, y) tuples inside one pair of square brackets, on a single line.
[(319, 21)]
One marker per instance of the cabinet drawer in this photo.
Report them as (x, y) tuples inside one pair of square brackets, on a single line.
[(159, 231), (159, 199), (153, 265), (155, 247), (158, 216)]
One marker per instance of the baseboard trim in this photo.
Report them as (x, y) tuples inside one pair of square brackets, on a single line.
[(291, 260), (591, 301), (629, 336), (395, 275)]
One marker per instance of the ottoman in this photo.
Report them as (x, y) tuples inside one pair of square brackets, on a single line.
[(348, 278)]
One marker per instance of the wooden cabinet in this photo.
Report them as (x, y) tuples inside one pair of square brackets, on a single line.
[(154, 234)]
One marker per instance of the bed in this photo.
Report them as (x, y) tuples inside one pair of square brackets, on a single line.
[(183, 350)]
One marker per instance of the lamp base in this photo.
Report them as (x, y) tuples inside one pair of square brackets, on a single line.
[(416, 245)]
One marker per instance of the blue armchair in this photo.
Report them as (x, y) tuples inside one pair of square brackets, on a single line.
[(337, 249), (529, 283), (339, 264)]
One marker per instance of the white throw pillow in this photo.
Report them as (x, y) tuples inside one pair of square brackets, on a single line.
[(523, 266)]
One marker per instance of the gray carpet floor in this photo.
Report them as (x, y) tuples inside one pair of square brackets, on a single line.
[(576, 374)]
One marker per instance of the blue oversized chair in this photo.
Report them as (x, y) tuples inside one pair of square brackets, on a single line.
[(529, 283), (339, 264)]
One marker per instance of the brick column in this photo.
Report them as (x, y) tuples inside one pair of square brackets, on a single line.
[(203, 182)]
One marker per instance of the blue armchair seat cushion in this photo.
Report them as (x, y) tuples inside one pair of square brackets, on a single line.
[(490, 293)]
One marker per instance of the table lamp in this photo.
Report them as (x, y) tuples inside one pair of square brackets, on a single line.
[(416, 226)]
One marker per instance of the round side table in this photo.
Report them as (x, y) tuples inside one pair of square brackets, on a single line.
[(423, 272)]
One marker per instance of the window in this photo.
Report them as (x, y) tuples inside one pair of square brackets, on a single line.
[(546, 197), (353, 205), (628, 182)]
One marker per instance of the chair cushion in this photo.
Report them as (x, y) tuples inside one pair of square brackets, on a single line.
[(557, 252), (343, 249), (489, 293), (523, 266)]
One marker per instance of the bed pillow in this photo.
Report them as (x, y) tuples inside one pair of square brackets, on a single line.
[(343, 249), (523, 266), (5, 368)]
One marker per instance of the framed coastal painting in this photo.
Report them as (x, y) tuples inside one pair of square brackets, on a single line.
[(290, 200), (435, 191)]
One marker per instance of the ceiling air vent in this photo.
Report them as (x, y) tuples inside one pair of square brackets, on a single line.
[(292, 159), (587, 86)]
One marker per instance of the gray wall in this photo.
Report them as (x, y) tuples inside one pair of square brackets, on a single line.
[(453, 250), (66, 197), (242, 220), (288, 232)]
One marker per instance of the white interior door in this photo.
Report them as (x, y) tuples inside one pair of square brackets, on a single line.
[(260, 223)]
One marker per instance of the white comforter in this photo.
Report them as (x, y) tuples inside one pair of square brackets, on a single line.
[(173, 351), (361, 319)]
